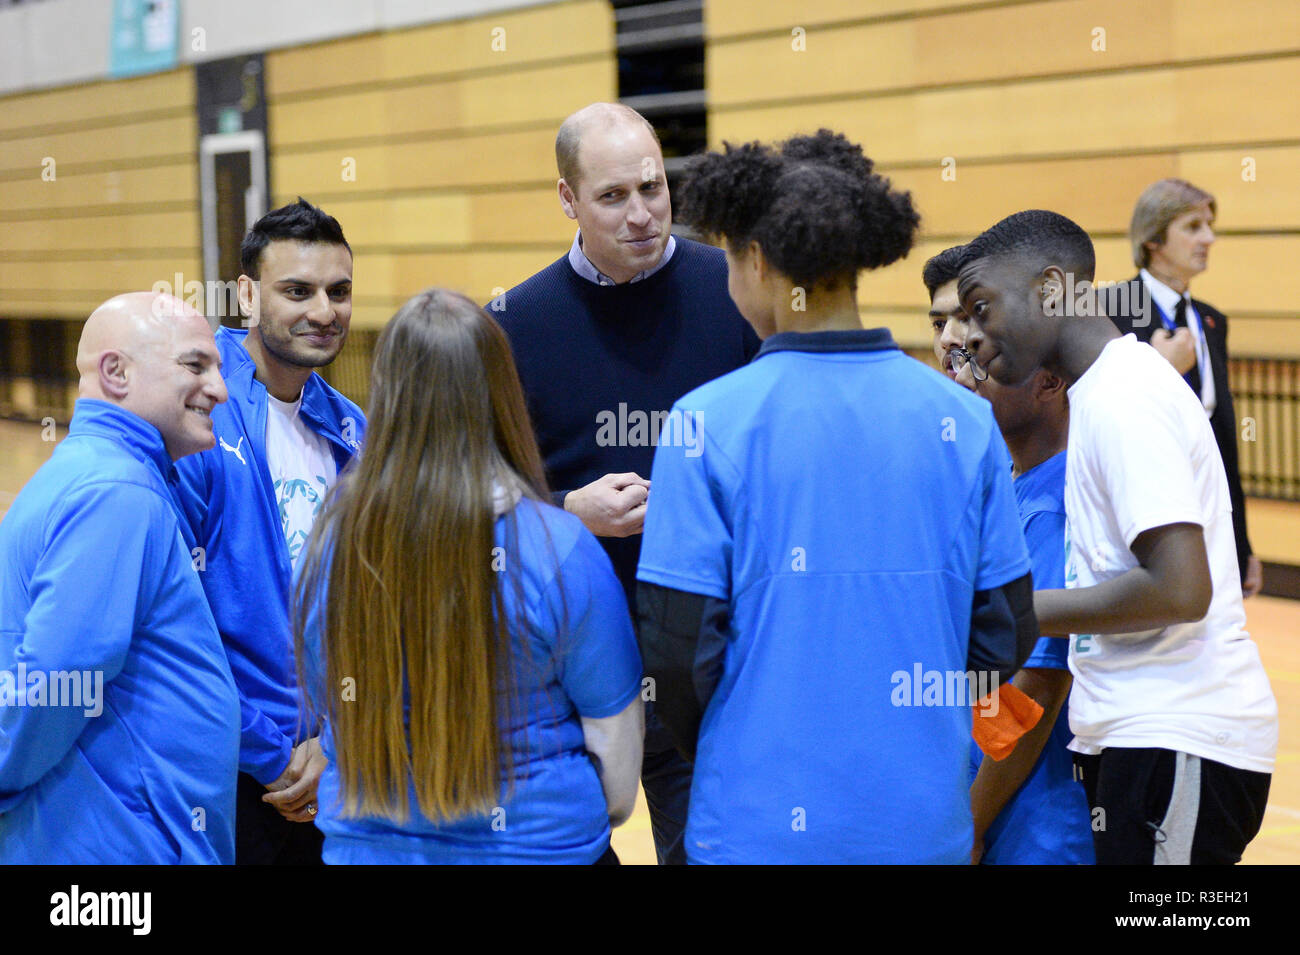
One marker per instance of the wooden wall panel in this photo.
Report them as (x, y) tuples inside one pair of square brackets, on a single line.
[(121, 212), (724, 18), (174, 184), (453, 144), (136, 142), (575, 30), (963, 47), (535, 96), (1014, 98), (71, 238), (98, 102), (1068, 117)]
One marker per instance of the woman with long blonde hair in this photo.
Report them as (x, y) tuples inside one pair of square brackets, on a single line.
[(465, 644)]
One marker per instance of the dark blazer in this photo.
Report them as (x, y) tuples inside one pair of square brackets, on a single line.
[(1137, 314)]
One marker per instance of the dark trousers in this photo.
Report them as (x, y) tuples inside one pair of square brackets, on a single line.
[(666, 779), (264, 837), (1161, 807), (609, 857)]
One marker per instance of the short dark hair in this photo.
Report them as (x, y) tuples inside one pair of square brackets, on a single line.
[(813, 205), (942, 269), (298, 220), (1039, 237)]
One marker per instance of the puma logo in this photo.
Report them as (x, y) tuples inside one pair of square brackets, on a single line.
[(235, 449)]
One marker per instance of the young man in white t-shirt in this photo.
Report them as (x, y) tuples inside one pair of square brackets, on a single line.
[(282, 440), (1174, 722)]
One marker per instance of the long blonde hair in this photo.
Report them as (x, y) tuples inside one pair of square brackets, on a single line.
[(414, 603)]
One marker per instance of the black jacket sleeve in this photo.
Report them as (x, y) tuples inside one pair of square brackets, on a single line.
[(683, 639), (1003, 629), (1225, 423)]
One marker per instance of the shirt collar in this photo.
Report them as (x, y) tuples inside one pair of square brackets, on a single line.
[(865, 339), (582, 265), (313, 400), (105, 419), (1166, 299)]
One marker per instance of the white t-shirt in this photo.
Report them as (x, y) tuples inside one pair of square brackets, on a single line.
[(1142, 455), (302, 469)]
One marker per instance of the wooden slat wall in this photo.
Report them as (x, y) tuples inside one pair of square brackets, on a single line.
[(120, 214), (453, 143), (1033, 117)]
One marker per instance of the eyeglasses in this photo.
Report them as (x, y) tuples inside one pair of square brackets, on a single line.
[(960, 357)]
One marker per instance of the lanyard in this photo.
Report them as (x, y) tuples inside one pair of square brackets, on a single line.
[(1202, 346), (1192, 314)]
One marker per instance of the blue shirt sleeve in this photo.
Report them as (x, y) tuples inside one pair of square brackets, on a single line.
[(98, 567), (598, 663), (687, 542), (264, 751), (1045, 537), (193, 492), (1002, 554), (313, 663)]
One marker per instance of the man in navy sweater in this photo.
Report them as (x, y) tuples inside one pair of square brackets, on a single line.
[(606, 339)]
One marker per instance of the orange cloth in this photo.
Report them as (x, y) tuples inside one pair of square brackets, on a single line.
[(997, 734)]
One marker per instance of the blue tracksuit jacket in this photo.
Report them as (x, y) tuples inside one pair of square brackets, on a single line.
[(228, 500), (119, 730)]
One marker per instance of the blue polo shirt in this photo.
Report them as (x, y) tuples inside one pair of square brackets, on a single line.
[(574, 655), (800, 489), (1047, 821)]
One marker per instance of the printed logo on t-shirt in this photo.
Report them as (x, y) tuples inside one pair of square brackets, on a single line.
[(1071, 572), (1079, 642), (299, 501)]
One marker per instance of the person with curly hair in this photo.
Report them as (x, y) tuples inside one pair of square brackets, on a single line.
[(813, 624)]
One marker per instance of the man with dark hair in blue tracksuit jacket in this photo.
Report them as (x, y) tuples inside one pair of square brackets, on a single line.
[(282, 440), (119, 730)]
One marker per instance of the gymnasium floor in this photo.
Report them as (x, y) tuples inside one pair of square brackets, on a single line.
[(1274, 623)]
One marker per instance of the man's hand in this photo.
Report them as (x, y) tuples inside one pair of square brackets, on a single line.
[(966, 378), (294, 793), (612, 506), (1254, 581), (1179, 349)]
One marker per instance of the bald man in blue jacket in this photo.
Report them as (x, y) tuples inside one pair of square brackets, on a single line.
[(119, 720)]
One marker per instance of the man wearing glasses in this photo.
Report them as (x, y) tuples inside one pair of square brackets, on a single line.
[(1028, 808), (1175, 725), (948, 322)]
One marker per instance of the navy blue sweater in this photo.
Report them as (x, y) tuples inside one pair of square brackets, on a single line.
[(597, 361)]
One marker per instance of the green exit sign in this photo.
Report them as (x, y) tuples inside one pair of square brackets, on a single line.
[(230, 120)]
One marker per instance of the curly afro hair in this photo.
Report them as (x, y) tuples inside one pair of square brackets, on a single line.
[(813, 204)]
